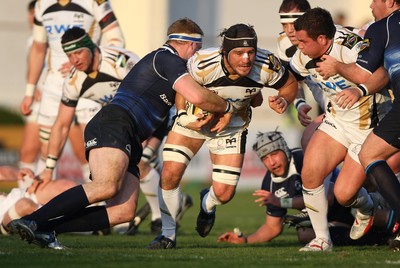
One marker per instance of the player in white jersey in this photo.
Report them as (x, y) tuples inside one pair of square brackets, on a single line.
[(96, 76), (20, 202), (342, 132), (289, 12), (52, 19), (30, 147), (236, 72)]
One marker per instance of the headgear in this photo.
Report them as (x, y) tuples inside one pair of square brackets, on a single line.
[(197, 38), (238, 35), (290, 17), (269, 142), (75, 39)]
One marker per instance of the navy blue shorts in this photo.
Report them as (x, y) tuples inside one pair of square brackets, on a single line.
[(113, 127), (389, 127)]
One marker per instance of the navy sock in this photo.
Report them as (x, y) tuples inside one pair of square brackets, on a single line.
[(68, 202), (387, 182), (88, 219)]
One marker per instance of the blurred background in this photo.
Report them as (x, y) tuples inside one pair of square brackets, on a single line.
[(144, 24)]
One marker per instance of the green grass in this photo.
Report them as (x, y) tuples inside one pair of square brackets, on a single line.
[(192, 250)]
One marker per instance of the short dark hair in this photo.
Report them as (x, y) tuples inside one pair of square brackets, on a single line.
[(185, 25), (301, 5), (31, 4), (316, 22)]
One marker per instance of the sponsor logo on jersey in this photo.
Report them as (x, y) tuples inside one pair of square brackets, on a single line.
[(59, 29), (165, 99), (274, 63), (365, 45), (251, 90), (351, 40), (91, 143), (281, 192)]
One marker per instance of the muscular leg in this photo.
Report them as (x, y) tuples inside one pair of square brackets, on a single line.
[(177, 153), (108, 170), (30, 150), (226, 172), (316, 167), (372, 156)]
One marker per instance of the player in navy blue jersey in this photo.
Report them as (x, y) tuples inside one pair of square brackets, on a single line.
[(114, 136)]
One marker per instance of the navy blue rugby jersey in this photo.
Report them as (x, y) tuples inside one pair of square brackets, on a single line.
[(147, 91), (290, 187), (382, 47)]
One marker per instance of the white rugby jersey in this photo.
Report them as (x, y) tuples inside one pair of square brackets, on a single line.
[(344, 48), (286, 51), (206, 67), (100, 86), (285, 48), (56, 19)]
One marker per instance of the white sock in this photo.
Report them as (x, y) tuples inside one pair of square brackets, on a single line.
[(85, 172), (363, 202), (149, 186), (169, 206), (26, 182), (210, 201), (316, 202)]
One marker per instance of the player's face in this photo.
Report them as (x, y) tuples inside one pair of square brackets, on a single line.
[(81, 59), (379, 9), (192, 47), (240, 60), (289, 30), (277, 163), (312, 48)]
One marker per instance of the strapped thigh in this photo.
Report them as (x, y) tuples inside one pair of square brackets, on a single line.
[(177, 153), (226, 174)]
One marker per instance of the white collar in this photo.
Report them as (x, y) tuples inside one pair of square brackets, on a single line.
[(292, 171)]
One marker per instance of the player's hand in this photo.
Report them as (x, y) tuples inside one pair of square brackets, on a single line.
[(303, 116), (65, 68), (231, 237), (257, 100), (223, 121), (46, 175), (25, 173), (201, 121), (266, 197), (346, 98), (278, 104), (26, 104), (38, 95), (327, 67)]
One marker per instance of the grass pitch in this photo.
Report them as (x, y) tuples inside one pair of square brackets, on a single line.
[(192, 250)]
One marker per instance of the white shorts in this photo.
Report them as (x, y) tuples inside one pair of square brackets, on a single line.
[(235, 143), (51, 97), (349, 136), (86, 109)]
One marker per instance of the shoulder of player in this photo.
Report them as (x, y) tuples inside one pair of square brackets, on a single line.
[(206, 57), (205, 65), (265, 59), (346, 38)]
